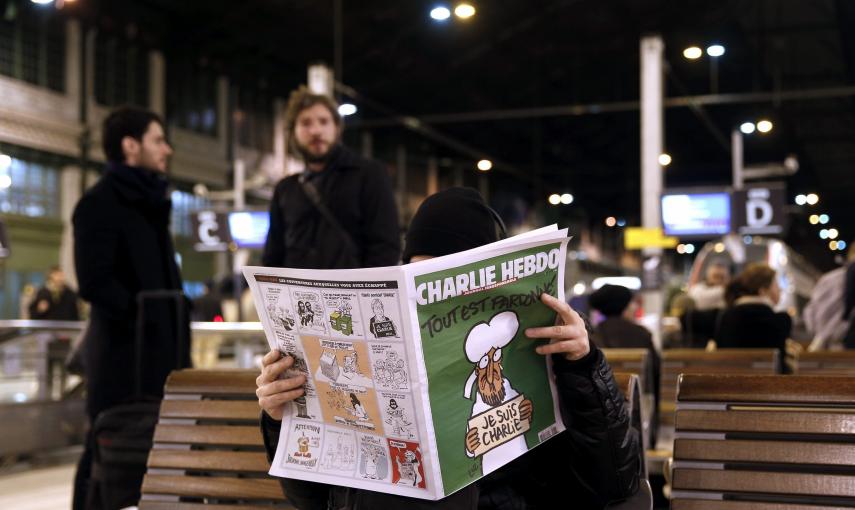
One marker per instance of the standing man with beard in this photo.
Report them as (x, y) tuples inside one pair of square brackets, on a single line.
[(340, 212), (122, 247)]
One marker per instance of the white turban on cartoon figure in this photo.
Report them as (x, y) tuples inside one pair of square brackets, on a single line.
[(484, 349)]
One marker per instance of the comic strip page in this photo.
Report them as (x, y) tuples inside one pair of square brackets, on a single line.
[(359, 416), (416, 381)]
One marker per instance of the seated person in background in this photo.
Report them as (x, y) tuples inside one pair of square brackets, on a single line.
[(595, 461), (750, 319), (618, 305), (619, 330)]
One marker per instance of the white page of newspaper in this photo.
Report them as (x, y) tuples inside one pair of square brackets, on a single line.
[(363, 396)]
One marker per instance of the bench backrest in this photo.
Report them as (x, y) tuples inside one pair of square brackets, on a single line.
[(824, 363), (768, 441), (631, 388), (632, 361), (638, 362), (208, 449), (700, 361)]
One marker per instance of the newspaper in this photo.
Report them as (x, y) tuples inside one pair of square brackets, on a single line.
[(420, 379)]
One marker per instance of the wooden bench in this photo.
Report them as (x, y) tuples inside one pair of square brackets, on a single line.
[(208, 450), (632, 361), (824, 363), (700, 361), (746, 442)]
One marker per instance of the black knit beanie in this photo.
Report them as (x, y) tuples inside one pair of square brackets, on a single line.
[(453, 220), (610, 300)]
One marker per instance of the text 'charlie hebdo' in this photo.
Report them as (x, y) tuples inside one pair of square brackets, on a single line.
[(485, 277)]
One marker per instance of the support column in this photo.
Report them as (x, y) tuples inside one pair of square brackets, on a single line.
[(223, 112), (367, 145), (432, 176), (484, 187), (737, 158), (651, 50), (401, 177), (70, 192), (280, 137), (157, 83), (73, 62), (320, 79)]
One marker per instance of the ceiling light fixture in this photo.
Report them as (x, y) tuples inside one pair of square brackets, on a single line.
[(693, 53), (764, 126), (440, 13), (347, 109), (464, 11)]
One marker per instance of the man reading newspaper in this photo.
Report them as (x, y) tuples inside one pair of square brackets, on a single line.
[(595, 461)]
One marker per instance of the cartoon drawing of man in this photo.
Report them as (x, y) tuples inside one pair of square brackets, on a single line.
[(484, 348), (310, 314), (399, 423), (301, 311), (380, 325)]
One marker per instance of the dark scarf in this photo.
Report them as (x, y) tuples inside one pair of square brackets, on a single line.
[(146, 190), (140, 185)]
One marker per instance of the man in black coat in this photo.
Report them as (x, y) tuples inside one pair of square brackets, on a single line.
[(122, 247), (595, 461), (55, 301), (356, 224)]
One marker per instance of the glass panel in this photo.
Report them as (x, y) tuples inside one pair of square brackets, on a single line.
[(34, 190)]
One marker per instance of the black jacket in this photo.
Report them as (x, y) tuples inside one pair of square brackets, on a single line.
[(122, 246), (595, 461), (754, 325), (61, 306), (358, 193)]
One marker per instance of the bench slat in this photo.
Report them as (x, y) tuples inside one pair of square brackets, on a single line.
[(792, 389), (785, 452), (211, 410), (250, 462), (766, 421), (705, 504), (719, 355), (764, 482), (237, 435), (213, 382), (212, 487), (170, 505)]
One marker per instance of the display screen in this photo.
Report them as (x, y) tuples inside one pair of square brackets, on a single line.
[(249, 228), (696, 214)]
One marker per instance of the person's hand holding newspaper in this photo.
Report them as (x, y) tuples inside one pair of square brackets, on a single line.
[(569, 335), (273, 393)]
